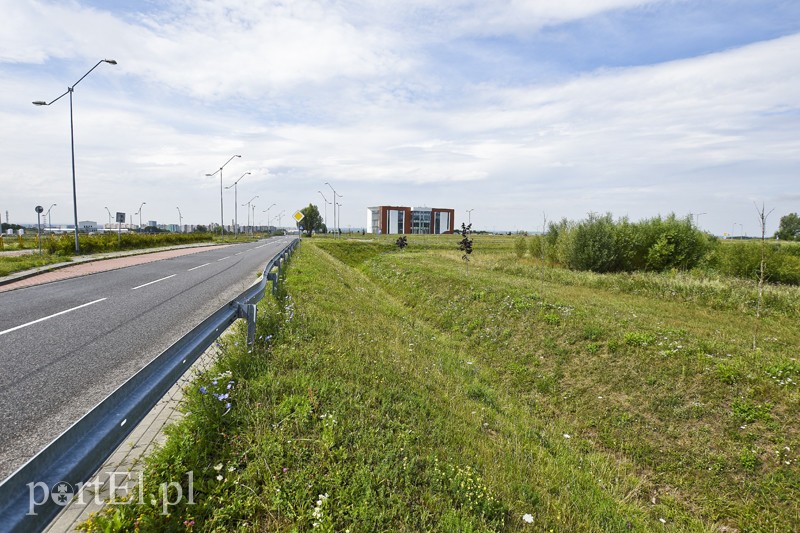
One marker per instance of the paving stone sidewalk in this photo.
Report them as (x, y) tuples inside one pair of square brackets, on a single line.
[(92, 264)]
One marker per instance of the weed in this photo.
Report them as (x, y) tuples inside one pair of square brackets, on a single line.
[(639, 338), (746, 412)]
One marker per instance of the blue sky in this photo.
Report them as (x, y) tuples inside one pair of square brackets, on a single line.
[(516, 109)]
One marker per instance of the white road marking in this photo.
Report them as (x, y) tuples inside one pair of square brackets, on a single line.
[(48, 317), (238, 253), (263, 245), (156, 281), (224, 258), (195, 268)]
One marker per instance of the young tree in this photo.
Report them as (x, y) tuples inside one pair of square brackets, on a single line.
[(312, 221), (465, 245), (402, 242), (762, 269), (789, 228)]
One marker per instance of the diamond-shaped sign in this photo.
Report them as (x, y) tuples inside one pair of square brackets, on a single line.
[(298, 216)]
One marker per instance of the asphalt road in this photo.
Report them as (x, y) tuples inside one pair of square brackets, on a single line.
[(65, 346)]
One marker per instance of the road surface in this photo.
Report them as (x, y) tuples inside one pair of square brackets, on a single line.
[(66, 345)]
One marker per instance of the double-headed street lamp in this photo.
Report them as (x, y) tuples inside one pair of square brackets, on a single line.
[(180, 220), (236, 203), (248, 208), (69, 91), (221, 215)]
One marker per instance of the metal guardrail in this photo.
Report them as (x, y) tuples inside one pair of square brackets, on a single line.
[(76, 454)]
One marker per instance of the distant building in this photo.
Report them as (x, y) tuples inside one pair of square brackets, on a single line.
[(152, 223), (89, 226), (396, 220)]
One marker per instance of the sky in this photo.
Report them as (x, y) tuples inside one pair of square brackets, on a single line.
[(521, 110)]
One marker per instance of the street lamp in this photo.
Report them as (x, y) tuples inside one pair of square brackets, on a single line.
[(180, 219), (236, 203), (69, 91), (221, 216), (248, 208), (139, 212), (49, 225), (253, 230), (267, 212), (336, 227), (326, 210), (109, 215), (279, 219), (469, 214)]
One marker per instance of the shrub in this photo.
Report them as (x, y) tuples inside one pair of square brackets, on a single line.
[(520, 246), (741, 259), (601, 245), (592, 246)]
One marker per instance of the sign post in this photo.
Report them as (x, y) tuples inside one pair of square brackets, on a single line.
[(120, 221), (298, 216), (39, 210)]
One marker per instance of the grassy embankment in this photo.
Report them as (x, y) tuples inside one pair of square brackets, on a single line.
[(418, 398)]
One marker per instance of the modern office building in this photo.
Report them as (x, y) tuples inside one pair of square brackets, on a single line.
[(398, 220)]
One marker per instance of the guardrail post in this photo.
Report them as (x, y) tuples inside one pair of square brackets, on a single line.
[(248, 311)]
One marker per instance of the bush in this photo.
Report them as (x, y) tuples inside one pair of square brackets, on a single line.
[(536, 246), (520, 246), (741, 259), (601, 245), (593, 245)]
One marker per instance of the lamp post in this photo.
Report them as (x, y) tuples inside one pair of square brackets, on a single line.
[(279, 219), (49, 225), (326, 210), (180, 219), (267, 212), (139, 212), (253, 231), (109, 215), (69, 91), (236, 204), (334, 206), (248, 208), (469, 214), (221, 216)]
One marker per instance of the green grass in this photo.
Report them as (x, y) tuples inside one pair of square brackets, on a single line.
[(12, 264), (417, 398)]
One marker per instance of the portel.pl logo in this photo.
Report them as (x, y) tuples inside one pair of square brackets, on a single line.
[(120, 486)]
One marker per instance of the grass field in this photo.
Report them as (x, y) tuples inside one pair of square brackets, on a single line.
[(10, 264), (389, 391)]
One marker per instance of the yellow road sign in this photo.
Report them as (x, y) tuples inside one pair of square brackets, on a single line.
[(298, 216)]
